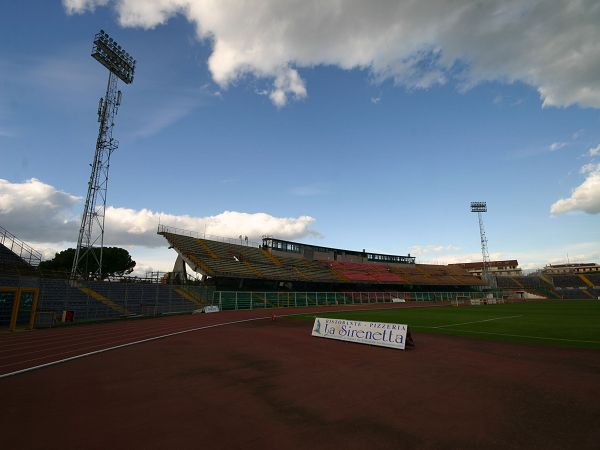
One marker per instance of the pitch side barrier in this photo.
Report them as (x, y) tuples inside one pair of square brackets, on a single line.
[(237, 300)]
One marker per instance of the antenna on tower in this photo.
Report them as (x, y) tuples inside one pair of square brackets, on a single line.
[(88, 256)]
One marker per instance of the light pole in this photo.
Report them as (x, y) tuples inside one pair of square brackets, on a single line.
[(88, 256), (479, 208)]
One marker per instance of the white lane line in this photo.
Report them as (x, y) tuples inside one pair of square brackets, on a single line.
[(115, 347), (67, 343), (83, 355), (530, 337), (476, 321)]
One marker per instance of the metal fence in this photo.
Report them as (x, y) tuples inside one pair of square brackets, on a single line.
[(235, 300)]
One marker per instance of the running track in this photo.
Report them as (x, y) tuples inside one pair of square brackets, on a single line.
[(23, 351), (262, 384)]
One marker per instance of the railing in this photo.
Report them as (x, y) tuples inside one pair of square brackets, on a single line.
[(236, 300), (236, 241), (20, 248)]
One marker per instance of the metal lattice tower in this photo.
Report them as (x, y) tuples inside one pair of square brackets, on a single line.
[(88, 256), (479, 208)]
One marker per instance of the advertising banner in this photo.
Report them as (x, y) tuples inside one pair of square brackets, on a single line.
[(392, 335), (207, 309)]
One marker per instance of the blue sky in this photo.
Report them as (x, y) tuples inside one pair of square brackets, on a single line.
[(348, 124)]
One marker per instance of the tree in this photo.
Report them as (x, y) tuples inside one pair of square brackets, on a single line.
[(115, 261)]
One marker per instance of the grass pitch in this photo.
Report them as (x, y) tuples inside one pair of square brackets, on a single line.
[(570, 323)]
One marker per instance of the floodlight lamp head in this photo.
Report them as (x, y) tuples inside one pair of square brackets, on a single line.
[(478, 207), (112, 56)]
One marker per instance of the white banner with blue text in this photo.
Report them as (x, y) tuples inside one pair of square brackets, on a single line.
[(373, 333)]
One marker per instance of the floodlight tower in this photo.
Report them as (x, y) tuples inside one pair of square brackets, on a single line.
[(120, 64), (479, 208)]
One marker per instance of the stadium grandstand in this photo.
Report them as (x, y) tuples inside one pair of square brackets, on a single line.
[(30, 297), (572, 268), (293, 266), (238, 274), (496, 268)]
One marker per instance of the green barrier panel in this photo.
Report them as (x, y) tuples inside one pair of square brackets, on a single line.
[(6, 307), (25, 307)]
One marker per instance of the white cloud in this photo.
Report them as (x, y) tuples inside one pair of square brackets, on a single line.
[(455, 258), (79, 6), (287, 82), (594, 151), (585, 197), (575, 252), (528, 260), (39, 213), (589, 168), (163, 111), (421, 250), (557, 146), (138, 227), (160, 116), (35, 211), (550, 45)]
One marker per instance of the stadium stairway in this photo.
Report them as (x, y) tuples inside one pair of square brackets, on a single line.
[(207, 249), (254, 270), (105, 300), (594, 278), (201, 265), (547, 280), (301, 274), (271, 257), (337, 274), (192, 297), (586, 280), (517, 282)]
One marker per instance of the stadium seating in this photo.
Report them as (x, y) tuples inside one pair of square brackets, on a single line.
[(574, 294), (136, 298), (221, 259), (365, 272), (58, 295), (98, 300), (533, 284), (241, 261), (528, 282), (507, 283), (568, 281)]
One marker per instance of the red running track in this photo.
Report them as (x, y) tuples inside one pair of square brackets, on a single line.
[(269, 385), (24, 351)]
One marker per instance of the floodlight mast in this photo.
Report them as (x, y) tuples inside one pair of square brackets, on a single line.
[(479, 208), (88, 255)]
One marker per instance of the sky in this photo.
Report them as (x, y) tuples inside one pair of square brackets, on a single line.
[(349, 124)]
